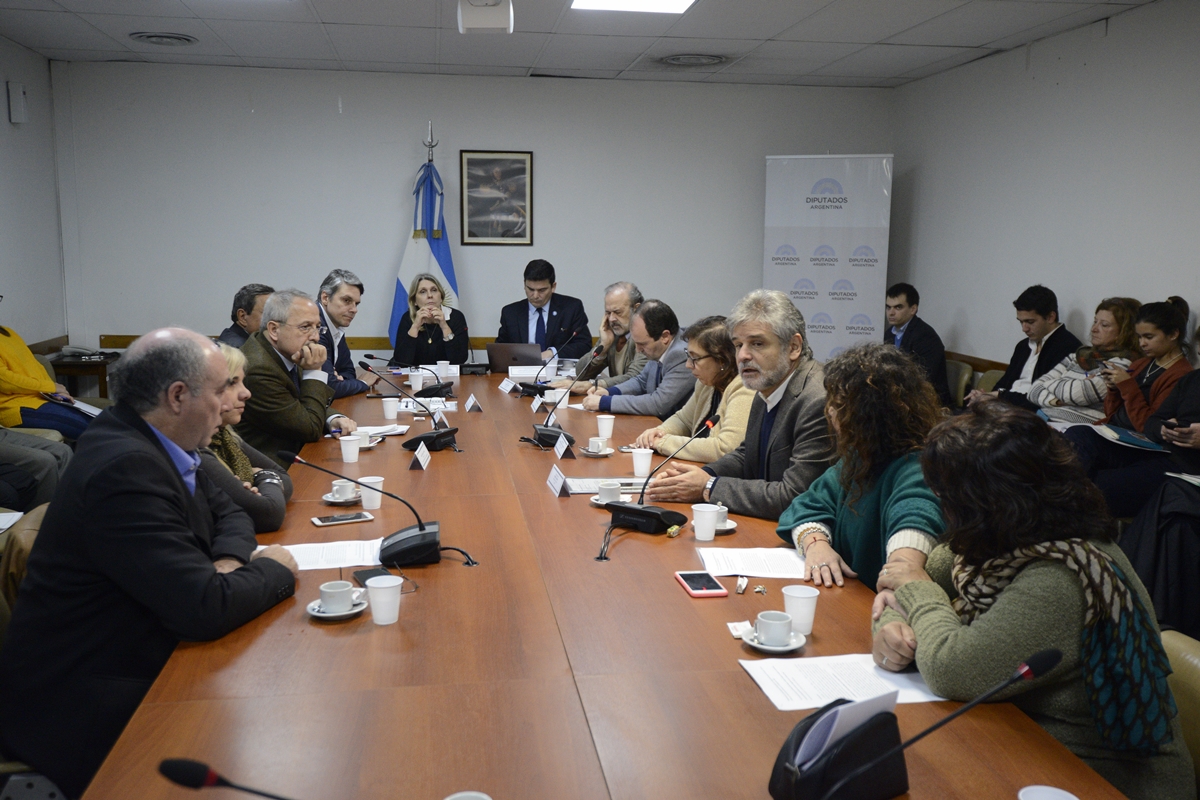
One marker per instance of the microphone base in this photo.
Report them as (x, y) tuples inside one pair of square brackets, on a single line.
[(532, 389), (437, 390), (547, 435), (411, 546), (643, 518)]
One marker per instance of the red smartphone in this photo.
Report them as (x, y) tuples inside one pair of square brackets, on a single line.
[(700, 584)]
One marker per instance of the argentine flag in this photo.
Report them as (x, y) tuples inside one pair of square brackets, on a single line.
[(428, 250)]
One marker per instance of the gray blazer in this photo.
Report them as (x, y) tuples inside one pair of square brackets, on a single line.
[(659, 390), (799, 450)]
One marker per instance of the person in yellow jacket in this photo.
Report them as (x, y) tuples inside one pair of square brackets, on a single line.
[(28, 395)]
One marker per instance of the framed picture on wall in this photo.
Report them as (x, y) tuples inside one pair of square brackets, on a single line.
[(496, 197)]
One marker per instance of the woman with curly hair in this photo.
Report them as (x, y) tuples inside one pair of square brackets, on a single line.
[(872, 506), (1028, 563)]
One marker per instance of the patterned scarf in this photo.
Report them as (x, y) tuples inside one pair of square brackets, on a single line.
[(227, 447), (1124, 667)]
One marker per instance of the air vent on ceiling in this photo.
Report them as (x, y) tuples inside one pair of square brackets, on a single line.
[(164, 39), (692, 60)]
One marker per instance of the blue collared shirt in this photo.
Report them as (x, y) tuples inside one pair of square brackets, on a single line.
[(899, 332), (187, 463)]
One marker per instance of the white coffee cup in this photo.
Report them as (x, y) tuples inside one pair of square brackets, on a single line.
[(342, 490), (443, 370), (597, 444), (641, 461), (337, 597), (1038, 792), (416, 380), (604, 425), (704, 520), (610, 491), (772, 628), (349, 446), (384, 591), (469, 796), (391, 406), (801, 603), (371, 499), (722, 517)]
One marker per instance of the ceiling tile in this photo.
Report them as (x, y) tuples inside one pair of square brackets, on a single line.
[(274, 39), (948, 63), (592, 52), (481, 49), (460, 69), (418, 13), (792, 58), (279, 10), (119, 27), (193, 58), (846, 81), (888, 60), (982, 21), (133, 8), (32, 5), (384, 44), (577, 73), (647, 75), (529, 16), (379, 66), (54, 29), (615, 23), (749, 77), (673, 45), (743, 19), (1076, 20), (57, 54), (294, 63), (866, 21)]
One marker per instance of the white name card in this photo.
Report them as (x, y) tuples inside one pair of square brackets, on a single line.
[(558, 482), (507, 385), (536, 404), (553, 418), (562, 448), (439, 420), (473, 404), (420, 458)]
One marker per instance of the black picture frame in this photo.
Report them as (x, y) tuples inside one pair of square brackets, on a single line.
[(496, 197)]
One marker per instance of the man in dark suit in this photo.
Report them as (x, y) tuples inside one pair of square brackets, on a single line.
[(290, 392), (914, 335), (1047, 342), (556, 322), (340, 294), (246, 314), (787, 444), (137, 552)]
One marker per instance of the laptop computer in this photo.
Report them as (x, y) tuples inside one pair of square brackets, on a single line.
[(503, 356)]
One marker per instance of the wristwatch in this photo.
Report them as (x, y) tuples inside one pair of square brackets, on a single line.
[(267, 476), (708, 487)]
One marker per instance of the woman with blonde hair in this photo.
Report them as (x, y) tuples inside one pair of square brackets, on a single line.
[(429, 331)]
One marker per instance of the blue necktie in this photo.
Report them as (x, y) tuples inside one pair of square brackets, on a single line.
[(539, 332)]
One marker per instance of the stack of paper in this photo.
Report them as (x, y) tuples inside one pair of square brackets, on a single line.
[(793, 684), (755, 562)]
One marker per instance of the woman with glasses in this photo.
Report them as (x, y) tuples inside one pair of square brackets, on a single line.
[(429, 331), (719, 391)]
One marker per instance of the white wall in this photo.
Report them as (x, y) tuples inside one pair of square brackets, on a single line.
[(180, 183), (31, 274), (1074, 163)]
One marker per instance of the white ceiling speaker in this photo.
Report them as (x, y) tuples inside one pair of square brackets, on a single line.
[(485, 16)]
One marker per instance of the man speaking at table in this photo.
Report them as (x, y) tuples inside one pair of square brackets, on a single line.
[(137, 552), (787, 444), (556, 322)]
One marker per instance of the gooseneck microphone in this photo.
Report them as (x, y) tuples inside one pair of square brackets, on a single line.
[(1035, 666), (546, 435), (381, 377), (198, 775), (649, 519), (536, 389), (435, 389), (436, 439)]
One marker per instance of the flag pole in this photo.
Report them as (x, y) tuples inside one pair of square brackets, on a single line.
[(430, 143)]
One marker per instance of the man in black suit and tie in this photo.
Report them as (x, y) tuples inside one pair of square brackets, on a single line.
[(1047, 342), (916, 336), (138, 552), (339, 297), (556, 322)]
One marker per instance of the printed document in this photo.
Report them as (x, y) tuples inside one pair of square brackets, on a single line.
[(755, 562), (793, 684)]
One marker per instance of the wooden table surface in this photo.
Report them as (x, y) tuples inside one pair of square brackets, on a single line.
[(541, 673)]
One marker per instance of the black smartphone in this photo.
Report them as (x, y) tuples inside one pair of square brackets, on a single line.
[(1172, 424), (364, 575)]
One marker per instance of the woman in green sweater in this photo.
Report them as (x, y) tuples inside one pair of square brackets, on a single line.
[(1028, 563), (872, 505)]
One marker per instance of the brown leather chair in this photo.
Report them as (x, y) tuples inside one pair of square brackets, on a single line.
[(16, 552), (989, 379), (1184, 654), (959, 375)]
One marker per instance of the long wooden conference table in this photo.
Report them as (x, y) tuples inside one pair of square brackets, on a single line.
[(540, 673)]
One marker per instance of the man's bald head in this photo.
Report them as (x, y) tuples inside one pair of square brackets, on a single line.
[(157, 360)]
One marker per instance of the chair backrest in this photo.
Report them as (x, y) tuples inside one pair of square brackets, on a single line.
[(16, 552), (989, 379), (959, 375), (1184, 654), (48, 364)]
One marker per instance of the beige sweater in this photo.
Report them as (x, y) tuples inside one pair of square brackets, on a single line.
[(1042, 608), (734, 410)]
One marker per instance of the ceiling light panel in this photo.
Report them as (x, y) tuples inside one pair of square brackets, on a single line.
[(652, 6)]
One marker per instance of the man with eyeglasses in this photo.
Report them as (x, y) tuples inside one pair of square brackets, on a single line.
[(620, 357), (665, 384), (289, 391)]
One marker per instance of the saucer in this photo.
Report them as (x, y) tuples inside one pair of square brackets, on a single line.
[(333, 501), (729, 527), (751, 638), (605, 453), (595, 500), (314, 610), (371, 442)]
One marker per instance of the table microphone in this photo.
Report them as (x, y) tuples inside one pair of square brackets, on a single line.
[(649, 519), (435, 389), (1035, 666), (546, 435), (198, 775), (436, 439), (536, 389)]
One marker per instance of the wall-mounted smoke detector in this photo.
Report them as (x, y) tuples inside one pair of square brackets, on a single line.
[(485, 16), (164, 39), (693, 60)]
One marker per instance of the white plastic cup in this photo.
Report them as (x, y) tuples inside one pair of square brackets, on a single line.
[(772, 628), (641, 461), (443, 370), (604, 425), (596, 444), (610, 491), (349, 448), (371, 499), (384, 593), (469, 796), (342, 490), (801, 603), (337, 597), (415, 380), (391, 406), (704, 520)]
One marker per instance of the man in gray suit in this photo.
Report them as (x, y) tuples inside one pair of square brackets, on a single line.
[(787, 444)]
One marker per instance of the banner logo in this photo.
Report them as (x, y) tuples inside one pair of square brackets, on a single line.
[(804, 289), (785, 254), (842, 290), (863, 256), (827, 194), (821, 323), (823, 256), (860, 325), (835, 352)]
